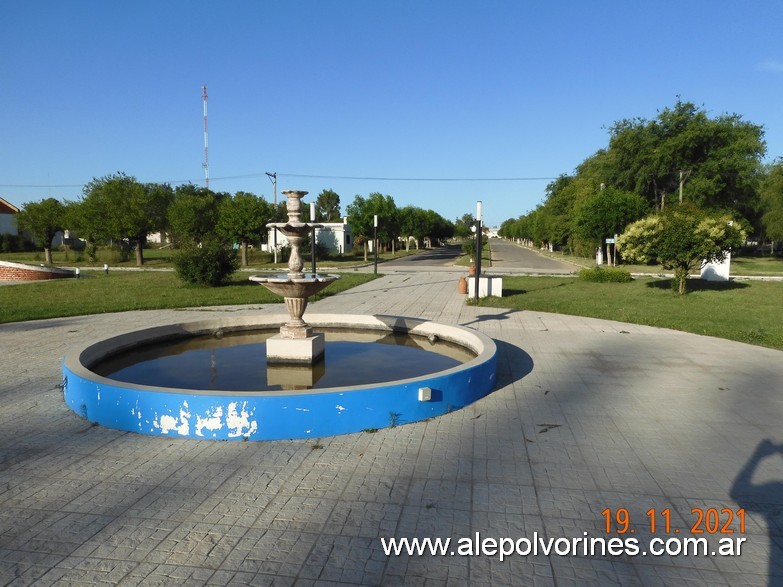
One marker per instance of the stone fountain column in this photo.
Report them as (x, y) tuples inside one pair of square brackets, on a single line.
[(296, 342)]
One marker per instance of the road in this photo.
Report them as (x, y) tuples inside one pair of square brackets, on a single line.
[(506, 258)]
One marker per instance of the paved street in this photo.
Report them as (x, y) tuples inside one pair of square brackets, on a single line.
[(507, 257), (511, 258), (591, 421)]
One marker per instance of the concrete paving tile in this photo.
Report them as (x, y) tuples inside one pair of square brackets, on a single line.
[(589, 415)]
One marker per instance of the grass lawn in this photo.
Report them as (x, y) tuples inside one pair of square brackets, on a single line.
[(747, 311), (155, 258), (120, 291), (752, 266)]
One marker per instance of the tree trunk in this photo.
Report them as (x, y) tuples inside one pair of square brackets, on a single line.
[(48, 255), (365, 250), (243, 253), (140, 252), (680, 276)]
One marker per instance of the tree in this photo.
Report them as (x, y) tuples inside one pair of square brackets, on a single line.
[(462, 225), (771, 194), (418, 224), (361, 216), (327, 207), (120, 208), (716, 160), (680, 238), (193, 214), (243, 219), (606, 213), (43, 220)]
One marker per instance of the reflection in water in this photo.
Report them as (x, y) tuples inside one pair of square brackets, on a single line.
[(237, 362)]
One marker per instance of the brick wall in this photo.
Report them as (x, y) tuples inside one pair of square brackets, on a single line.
[(21, 272)]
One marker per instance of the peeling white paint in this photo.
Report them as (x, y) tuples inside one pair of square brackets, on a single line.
[(301, 409), (238, 422), (181, 425), (212, 422), (340, 408)]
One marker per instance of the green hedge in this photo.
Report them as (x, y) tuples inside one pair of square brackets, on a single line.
[(209, 265), (608, 275)]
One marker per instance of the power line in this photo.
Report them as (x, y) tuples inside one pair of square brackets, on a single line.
[(361, 178), (312, 176)]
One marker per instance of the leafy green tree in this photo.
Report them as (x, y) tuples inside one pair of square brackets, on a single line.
[(439, 228), (680, 238), (361, 214), (243, 219), (462, 225), (42, 220), (771, 194), (715, 159), (120, 208), (193, 214), (606, 213), (418, 224), (327, 207)]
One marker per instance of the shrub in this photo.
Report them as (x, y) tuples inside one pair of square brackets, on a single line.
[(601, 275), (208, 265)]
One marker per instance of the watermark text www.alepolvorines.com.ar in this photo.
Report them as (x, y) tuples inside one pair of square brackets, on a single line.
[(585, 545)]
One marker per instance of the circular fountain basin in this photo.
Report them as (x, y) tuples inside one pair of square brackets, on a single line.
[(272, 414)]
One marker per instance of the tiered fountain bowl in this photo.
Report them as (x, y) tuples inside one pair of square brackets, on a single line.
[(290, 403), (296, 342)]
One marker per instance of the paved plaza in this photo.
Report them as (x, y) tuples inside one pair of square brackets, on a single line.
[(591, 421)]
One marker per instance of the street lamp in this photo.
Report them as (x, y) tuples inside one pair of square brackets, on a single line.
[(312, 233), (479, 234), (273, 179), (375, 241)]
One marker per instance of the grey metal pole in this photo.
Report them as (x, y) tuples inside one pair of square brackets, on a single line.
[(375, 242), (312, 234), (478, 257)]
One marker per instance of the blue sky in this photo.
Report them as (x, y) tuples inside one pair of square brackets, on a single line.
[(364, 89)]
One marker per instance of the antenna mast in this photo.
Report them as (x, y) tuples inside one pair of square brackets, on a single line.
[(206, 139)]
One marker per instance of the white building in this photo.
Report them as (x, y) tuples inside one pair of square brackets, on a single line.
[(335, 237)]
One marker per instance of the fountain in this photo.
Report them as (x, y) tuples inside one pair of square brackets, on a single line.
[(307, 387), (296, 342)]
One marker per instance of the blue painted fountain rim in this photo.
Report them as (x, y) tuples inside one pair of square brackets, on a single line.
[(79, 360)]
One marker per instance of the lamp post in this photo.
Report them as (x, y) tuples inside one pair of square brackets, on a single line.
[(273, 179), (375, 242), (312, 233), (478, 248)]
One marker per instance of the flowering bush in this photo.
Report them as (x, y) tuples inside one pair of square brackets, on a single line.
[(680, 239)]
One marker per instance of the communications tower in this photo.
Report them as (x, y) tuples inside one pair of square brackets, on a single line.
[(206, 139)]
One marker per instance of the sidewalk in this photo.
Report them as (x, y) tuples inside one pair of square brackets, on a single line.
[(589, 415)]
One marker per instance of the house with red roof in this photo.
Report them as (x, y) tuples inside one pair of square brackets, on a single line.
[(8, 214)]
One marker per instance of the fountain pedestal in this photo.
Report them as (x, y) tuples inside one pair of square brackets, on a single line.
[(280, 349), (296, 342)]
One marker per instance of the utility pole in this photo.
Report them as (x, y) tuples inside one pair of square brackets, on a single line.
[(273, 179), (206, 139)]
